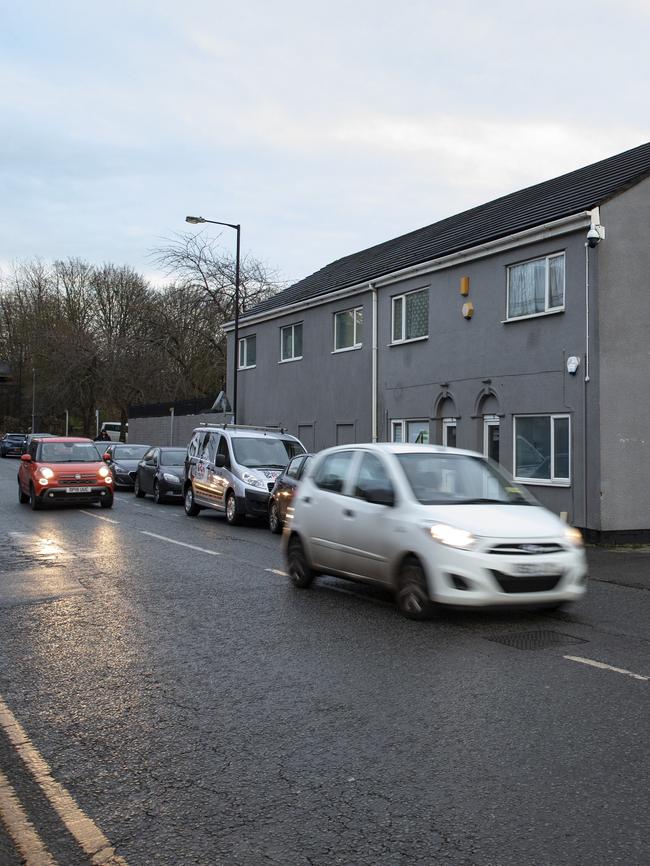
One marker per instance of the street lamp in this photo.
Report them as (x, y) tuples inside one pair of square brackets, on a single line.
[(196, 221)]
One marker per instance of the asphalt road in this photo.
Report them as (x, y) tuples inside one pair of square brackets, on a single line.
[(191, 707)]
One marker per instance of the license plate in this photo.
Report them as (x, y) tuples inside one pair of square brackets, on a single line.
[(78, 489), (535, 568)]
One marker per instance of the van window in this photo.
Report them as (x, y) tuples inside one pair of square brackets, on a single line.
[(223, 449), (258, 451)]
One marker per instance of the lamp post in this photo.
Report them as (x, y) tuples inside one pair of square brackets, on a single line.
[(195, 221), (33, 398)]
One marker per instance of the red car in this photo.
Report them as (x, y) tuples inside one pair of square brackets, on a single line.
[(64, 469)]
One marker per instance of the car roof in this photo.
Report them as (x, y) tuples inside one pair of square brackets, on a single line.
[(404, 448), (173, 447), (250, 432), (49, 438)]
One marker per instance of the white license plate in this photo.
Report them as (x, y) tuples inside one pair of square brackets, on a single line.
[(78, 489), (535, 568)]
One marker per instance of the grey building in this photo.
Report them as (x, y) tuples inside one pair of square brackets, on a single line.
[(518, 328)]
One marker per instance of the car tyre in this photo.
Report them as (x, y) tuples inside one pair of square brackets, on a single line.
[(301, 574), (139, 492), (34, 501), (413, 594), (191, 508), (233, 514), (275, 521), (158, 498), (23, 498), (106, 502)]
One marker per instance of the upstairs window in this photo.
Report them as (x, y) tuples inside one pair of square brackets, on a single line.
[(247, 352), (410, 316), (536, 287), (291, 342), (348, 327)]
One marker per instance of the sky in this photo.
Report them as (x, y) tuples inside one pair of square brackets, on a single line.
[(322, 128)]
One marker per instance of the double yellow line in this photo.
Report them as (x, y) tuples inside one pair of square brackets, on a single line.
[(86, 833)]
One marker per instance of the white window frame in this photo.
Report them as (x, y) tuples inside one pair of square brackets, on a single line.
[(489, 421), (284, 328), (553, 481), (403, 339), (356, 344), (548, 310), (446, 424), (402, 424), (243, 344)]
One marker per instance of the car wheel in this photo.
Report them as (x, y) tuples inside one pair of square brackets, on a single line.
[(233, 515), (106, 502), (157, 497), (275, 521), (139, 492), (301, 573), (34, 501), (191, 508), (23, 498), (413, 594)]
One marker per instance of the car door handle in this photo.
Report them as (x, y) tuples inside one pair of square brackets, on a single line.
[(347, 512)]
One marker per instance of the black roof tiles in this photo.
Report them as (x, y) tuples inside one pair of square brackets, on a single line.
[(553, 199)]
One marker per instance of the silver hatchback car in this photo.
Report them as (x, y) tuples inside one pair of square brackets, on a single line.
[(436, 525)]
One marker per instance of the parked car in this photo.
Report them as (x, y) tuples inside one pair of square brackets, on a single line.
[(284, 489), (12, 444), (123, 461), (161, 472), (64, 469), (233, 468), (434, 525), (113, 430), (31, 436)]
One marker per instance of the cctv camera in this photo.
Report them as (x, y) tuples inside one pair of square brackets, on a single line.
[(593, 236), (572, 364)]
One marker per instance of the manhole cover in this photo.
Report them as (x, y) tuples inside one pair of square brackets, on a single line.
[(536, 640)]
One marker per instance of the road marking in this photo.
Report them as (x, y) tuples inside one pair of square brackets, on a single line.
[(99, 517), (181, 543), (594, 664), (277, 571), (14, 817), (84, 830)]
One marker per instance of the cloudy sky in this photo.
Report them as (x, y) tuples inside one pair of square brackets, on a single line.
[(323, 128)]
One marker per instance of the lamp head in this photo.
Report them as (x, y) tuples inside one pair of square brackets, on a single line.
[(194, 220)]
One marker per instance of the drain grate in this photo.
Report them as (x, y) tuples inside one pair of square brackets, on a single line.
[(536, 640)]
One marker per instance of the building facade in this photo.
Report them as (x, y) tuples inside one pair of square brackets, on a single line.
[(519, 329)]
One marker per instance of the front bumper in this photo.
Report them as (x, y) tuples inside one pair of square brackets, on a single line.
[(255, 503), (97, 493), (170, 488), (123, 479)]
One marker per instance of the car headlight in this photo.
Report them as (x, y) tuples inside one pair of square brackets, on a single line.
[(452, 536), (173, 479), (103, 471), (252, 480), (118, 468), (574, 536), (46, 472)]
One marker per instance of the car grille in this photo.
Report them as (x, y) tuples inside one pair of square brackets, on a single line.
[(528, 548), (85, 479), (526, 582), (132, 475)]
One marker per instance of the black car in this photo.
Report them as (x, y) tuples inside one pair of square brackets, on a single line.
[(161, 472), (12, 444), (284, 489), (123, 461), (31, 436)]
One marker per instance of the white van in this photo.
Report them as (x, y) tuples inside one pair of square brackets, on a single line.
[(114, 428)]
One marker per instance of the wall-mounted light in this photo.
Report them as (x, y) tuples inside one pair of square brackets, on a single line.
[(468, 310), (464, 286), (572, 364)]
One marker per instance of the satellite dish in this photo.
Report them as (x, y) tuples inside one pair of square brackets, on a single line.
[(222, 403)]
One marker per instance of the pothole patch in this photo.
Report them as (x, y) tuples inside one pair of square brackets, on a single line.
[(536, 640)]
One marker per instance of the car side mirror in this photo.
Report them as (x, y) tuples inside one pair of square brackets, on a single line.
[(106, 457), (26, 457), (380, 495), (220, 461)]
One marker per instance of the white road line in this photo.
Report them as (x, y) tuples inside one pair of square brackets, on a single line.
[(14, 817), (79, 825), (99, 517), (277, 571), (181, 543), (594, 664)]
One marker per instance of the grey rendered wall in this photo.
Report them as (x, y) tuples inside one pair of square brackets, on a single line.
[(483, 365), (624, 277)]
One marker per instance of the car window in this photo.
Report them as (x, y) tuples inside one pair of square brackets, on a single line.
[(224, 450), (129, 452), (257, 451), (372, 476), (204, 445), (69, 452), (172, 458), (148, 456), (333, 470), (293, 469)]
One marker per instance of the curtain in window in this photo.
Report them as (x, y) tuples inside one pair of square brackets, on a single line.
[(556, 281), (344, 330), (297, 341), (397, 318), (417, 315), (527, 288)]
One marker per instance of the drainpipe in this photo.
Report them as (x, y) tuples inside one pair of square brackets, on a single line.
[(594, 237), (374, 362)]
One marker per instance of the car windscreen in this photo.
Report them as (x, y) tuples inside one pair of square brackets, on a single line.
[(173, 458), (130, 452), (69, 452), (19, 437), (442, 479), (257, 451)]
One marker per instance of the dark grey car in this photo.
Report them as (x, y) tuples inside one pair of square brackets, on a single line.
[(161, 472), (123, 462)]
